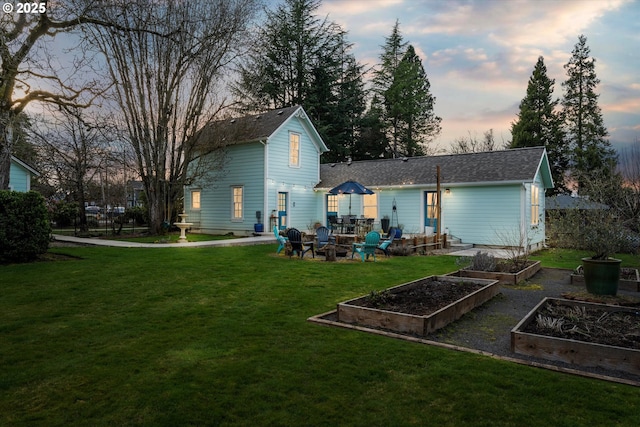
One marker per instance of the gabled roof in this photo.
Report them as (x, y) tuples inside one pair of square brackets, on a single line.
[(256, 127), (505, 166), (29, 168)]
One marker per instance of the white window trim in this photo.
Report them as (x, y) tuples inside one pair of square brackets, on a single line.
[(535, 205), (294, 165), (196, 190), (233, 210)]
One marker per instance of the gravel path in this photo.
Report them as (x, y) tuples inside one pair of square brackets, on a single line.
[(488, 327)]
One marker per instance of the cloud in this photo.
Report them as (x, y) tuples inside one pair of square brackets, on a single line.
[(507, 23), (357, 7)]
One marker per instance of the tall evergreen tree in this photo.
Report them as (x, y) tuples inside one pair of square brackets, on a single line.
[(591, 151), (539, 124), (393, 51), (414, 105), (299, 58), (408, 104), (372, 142)]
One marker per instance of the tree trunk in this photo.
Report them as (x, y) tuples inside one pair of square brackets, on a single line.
[(6, 142)]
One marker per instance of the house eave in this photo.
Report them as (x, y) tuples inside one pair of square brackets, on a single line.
[(26, 166), (433, 185)]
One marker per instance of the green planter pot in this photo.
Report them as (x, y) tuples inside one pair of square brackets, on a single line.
[(601, 276)]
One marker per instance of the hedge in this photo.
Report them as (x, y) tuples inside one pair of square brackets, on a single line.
[(24, 226)]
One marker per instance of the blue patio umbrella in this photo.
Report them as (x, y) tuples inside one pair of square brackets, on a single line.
[(350, 187)]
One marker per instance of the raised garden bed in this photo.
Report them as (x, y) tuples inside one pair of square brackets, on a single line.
[(505, 278), (581, 333), (629, 279), (419, 307)]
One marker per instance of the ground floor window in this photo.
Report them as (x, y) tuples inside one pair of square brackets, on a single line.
[(195, 199), (332, 203), (237, 204), (370, 205), (535, 205)]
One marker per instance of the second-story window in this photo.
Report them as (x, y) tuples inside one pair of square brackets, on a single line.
[(294, 150)]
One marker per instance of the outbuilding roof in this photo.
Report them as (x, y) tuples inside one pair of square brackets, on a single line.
[(566, 201), (25, 165), (504, 166)]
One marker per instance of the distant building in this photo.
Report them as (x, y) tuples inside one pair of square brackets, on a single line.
[(20, 174)]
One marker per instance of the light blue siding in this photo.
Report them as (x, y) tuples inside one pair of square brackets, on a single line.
[(245, 168), (482, 215), (262, 169), (297, 181), (19, 178)]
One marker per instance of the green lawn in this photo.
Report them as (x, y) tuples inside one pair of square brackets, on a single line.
[(218, 336)]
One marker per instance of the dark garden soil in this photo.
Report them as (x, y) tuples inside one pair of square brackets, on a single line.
[(589, 324), (427, 297), (487, 328), (578, 323)]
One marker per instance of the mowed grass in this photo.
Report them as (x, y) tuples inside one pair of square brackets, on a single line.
[(219, 336)]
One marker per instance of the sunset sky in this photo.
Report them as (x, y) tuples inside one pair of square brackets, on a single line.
[(479, 55)]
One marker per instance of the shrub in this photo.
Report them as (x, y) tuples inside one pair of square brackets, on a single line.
[(481, 261), (596, 230), (24, 226), (139, 214), (64, 213)]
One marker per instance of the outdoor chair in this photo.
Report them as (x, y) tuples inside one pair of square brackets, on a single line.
[(384, 246), (333, 222), (322, 237), (297, 245), (348, 224), (281, 239), (369, 246), (391, 233)]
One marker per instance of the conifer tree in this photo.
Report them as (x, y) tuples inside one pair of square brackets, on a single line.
[(414, 105), (539, 124), (402, 84), (591, 151), (299, 58)]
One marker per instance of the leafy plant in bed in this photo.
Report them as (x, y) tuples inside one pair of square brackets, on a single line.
[(508, 271)]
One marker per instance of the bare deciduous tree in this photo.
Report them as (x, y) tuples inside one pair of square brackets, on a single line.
[(165, 80), (27, 73), (73, 150), (474, 145)]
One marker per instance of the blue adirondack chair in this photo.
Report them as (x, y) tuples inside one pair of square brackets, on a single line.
[(297, 245), (322, 237), (281, 239), (384, 246), (371, 241)]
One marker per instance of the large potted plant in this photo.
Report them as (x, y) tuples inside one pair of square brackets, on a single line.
[(597, 229)]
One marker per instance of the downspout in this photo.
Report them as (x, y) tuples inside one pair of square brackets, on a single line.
[(265, 186), (524, 235)]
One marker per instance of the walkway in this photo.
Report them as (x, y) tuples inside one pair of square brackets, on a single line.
[(243, 241)]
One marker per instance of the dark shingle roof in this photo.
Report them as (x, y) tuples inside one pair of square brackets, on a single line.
[(566, 201), (246, 129), (512, 165)]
